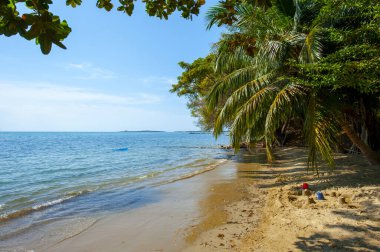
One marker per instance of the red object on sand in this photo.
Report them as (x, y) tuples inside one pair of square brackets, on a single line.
[(305, 186)]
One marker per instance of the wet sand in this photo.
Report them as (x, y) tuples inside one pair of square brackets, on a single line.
[(232, 210), (160, 226)]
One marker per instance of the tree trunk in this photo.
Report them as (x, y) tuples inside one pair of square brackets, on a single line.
[(372, 157)]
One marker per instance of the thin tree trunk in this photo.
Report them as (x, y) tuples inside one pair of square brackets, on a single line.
[(372, 157)]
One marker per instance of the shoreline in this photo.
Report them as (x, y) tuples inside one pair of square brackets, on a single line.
[(247, 205), (189, 208), (160, 225)]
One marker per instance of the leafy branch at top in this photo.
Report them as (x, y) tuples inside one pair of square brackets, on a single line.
[(46, 28)]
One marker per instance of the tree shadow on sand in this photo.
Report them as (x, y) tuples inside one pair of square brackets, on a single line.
[(357, 238), (294, 161), (351, 171)]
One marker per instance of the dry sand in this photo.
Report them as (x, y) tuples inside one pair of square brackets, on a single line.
[(269, 212)]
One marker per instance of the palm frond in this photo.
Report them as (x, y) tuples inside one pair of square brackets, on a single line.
[(286, 7), (297, 15), (237, 98), (229, 83), (245, 14), (251, 115), (228, 61), (320, 132), (214, 15), (311, 50), (281, 109), (271, 55)]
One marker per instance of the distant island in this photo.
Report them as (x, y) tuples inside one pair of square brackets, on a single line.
[(151, 131)]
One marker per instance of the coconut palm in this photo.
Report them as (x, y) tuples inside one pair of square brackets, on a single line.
[(264, 80)]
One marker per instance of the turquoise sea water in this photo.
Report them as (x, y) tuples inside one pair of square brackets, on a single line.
[(47, 176)]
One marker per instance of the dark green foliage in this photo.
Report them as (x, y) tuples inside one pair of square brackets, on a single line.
[(40, 24), (195, 82), (73, 3), (47, 29), (311, 61), (197, 77)]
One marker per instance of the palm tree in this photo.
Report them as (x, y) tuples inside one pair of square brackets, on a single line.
[(263, 77)]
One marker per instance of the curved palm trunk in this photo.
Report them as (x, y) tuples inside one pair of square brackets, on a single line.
[(372, 157)]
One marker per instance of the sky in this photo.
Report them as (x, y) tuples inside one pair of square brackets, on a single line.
[(115, 75)]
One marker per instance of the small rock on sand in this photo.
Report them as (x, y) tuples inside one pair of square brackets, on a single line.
[(292, 198), (306, 192), (310, 200), (342, 200)]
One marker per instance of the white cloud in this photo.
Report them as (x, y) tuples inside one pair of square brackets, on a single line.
[(152, 80), (45, 93), (88, 71), (47, 107), (50, 107)]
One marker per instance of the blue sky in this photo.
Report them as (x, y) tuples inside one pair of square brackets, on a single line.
[(115, 74)]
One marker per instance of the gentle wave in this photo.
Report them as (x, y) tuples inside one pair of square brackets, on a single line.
[(21, 230), (43, 174), (192, 174), (126, 181), (39, 207), (121, 182)]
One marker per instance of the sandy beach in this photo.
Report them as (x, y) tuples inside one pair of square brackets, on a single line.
[(190, 126), (271, 214), (247, 205)]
